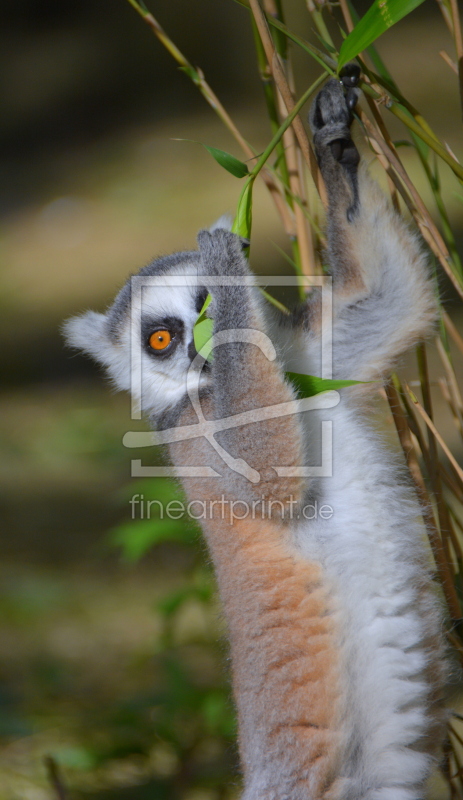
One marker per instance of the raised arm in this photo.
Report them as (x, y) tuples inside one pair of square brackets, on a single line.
[(384, 300)]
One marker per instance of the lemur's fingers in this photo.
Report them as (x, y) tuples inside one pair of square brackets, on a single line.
[(331, 113), (350, 74), (222, 252), (330, 119)]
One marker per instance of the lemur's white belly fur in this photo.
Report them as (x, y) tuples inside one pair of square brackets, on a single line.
[(376, 561)]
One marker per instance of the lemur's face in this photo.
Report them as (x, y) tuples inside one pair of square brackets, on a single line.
[(145, 339)]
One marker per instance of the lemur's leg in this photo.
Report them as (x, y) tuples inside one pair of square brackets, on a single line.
[(383, 298), (282, 628)]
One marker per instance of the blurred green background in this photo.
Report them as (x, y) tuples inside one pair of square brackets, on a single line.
[(118, 668)]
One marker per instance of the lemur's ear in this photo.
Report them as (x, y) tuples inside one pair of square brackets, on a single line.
[(87, 332), (225, 222)]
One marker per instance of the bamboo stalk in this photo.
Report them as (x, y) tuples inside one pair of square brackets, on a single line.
[(197, 76), (450, 327), (440, 559), (416, 124), (279, 77), (458, 45), (415, 204), (306, 253), (427, 419)]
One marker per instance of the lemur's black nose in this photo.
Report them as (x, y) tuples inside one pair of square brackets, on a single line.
[(192, 351)]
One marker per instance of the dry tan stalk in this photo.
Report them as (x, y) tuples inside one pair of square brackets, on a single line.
[(455, 642), (454, 732), (458, 44), (432, 457), (446, 15), (455, 546), (295, 174), (454, 793), (440, 558), (347, 15), (446, 768), (451, 329), (443, 54), (455, 540), (458, 522), (215, 103), (443, 386), (450, 152), (435, 432), (419, 211), (393, 158), (451, 378), (279, 77), (451, 483), (404, 434), (306, 253), (316, 265), (385, 134)]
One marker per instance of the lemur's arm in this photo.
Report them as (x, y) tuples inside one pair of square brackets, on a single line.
[(245, 377), (383, 298)]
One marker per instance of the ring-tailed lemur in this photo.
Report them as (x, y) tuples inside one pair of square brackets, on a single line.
[(333, 622)]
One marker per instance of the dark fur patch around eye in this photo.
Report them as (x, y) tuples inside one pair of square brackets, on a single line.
[(200, 298), (173, 325)]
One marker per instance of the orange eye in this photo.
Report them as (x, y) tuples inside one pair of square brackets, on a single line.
[(159, 340)]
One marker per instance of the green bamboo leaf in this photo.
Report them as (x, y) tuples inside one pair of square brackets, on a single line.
[(243, 220), (206, 304), (310, 385), (233, 165), (381, 15), (237, 168), (202, 330), (202, 335)]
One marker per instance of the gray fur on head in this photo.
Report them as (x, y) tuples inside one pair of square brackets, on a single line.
[(110, 338)]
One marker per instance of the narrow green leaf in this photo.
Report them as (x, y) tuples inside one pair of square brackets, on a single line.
[(274, 302), (233, 165), (288, 258), (376, 59), (237, 168), (381, 15), (202, 335), (243, 220), (202, 329), (206, 304), (402, 143), (310, 385), (325, 44)]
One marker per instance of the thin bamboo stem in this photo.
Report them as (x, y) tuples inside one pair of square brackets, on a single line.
[(279, 77), (435, 541), (458, 45), (197, 76), (415, 204)]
